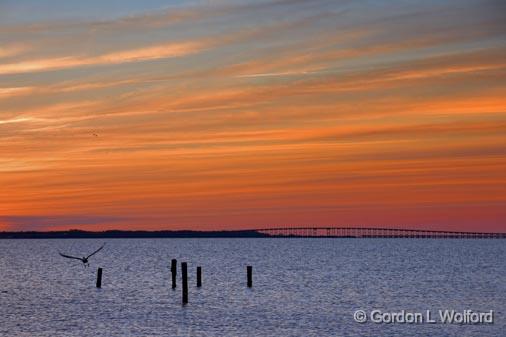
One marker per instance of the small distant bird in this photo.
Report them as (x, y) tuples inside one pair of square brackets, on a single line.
[(83, 259)]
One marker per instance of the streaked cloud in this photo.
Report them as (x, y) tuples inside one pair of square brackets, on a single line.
[(134, 55), (13, 49)]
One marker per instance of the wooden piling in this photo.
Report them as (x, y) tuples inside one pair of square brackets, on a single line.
[(99, 278), (184, 273), (249, 270), (173, 270), (199, 276)]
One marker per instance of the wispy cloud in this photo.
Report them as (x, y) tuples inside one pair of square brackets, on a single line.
[(16, 91), (18, 120), (12, 50), (134, 55)]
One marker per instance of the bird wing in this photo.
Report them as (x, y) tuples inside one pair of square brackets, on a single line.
[(95, 251), (70, 257)]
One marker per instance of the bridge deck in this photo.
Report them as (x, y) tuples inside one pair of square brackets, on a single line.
[(361, 232)]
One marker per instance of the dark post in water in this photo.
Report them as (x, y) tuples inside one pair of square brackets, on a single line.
[(99, 278), (173, 270), (184, 272), (249, 270), (199, 276)]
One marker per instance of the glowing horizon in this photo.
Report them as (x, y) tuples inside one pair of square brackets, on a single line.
[(244, 114)]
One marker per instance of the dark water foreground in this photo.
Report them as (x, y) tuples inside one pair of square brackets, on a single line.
[(302, 287)]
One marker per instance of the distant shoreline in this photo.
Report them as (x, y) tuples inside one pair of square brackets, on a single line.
[(119, 234)]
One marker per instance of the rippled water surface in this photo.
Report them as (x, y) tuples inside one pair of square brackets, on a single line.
[(302, 287)]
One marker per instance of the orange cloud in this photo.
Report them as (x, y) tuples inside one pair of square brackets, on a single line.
[(134, 55)]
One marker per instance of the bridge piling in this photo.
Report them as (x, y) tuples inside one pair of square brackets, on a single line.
[(199, 276), (249, 272), (173, 270), (99, 278), (184, 274)]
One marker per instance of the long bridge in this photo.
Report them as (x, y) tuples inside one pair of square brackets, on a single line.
[(275, 232), (362, 232)]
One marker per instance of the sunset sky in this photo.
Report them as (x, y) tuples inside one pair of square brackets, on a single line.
[(226, 114)]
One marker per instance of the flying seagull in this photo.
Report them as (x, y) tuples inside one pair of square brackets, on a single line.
[(83, 259)]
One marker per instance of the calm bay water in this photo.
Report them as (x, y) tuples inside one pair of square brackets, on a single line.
[(302, 287)]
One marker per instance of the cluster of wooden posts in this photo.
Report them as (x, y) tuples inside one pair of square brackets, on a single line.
[(184, 277)]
